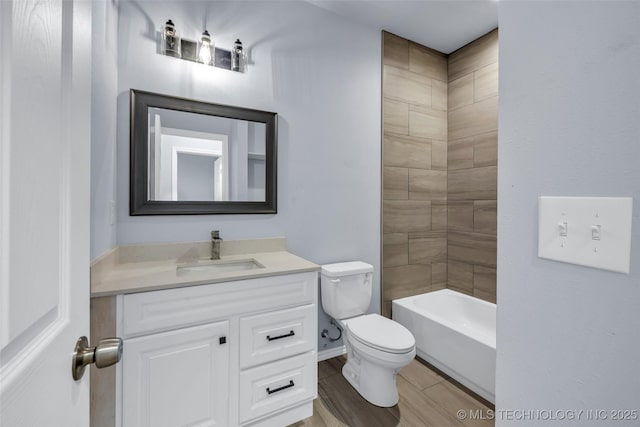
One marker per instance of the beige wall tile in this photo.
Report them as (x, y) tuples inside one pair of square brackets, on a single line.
[(460, 154), (406, 216), (407, 152), (438, 216), (477, 183), (438, 275), (403, 85), (462, 291), (395, 183), (485, 82), (461, 92), (438, 286), (439, 95), (396, 117), (427, 184), (485, 216), (439, 155), (427, 62), (395, 249), (406, 280), (427, 123), (460, 215), (386, 309), (472, 248), (472, 240), (457, 179), (484, 279), (471, 255), (427, 250), (485, 149), (427, 234), (475, 55), (486, 296), (460, 275), (474, 119), (395, 50)]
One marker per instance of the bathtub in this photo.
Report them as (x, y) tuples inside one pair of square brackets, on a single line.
[(456, 333)]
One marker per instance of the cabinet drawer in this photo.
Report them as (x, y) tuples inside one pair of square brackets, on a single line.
[(149, 312), (277, 334), (277, 385)]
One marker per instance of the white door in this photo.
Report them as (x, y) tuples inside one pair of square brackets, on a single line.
[(45, 104)]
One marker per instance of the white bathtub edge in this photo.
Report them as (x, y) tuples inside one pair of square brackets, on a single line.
[(408, 303), (480, 391), (467, 357)]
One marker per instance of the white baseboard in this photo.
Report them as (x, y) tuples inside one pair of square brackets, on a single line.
[(332, 352)]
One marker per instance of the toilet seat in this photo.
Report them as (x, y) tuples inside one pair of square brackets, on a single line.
[(380, 333)]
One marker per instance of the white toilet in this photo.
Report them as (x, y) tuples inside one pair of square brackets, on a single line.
[(377, 347)]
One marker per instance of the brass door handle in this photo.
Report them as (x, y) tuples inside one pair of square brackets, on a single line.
[(108, 352)]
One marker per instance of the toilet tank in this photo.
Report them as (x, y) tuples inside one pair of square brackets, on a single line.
[(345, 288)]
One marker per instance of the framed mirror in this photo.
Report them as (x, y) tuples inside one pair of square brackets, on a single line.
[(192, 157)]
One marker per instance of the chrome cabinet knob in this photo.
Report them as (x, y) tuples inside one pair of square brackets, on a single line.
[(108, 352)]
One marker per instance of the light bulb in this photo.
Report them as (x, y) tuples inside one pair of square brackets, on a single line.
[(205, 49), (237, 57), (170, 40)]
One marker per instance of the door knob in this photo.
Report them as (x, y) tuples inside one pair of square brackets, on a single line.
[(108, 352)]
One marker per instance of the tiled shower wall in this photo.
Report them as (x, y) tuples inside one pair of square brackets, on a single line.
[(414, 169), (439, 168), (472, 167)]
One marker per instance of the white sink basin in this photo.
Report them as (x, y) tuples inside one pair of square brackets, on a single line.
[(221, 266)]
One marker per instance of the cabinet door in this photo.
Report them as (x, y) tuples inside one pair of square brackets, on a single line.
[(177, 378)]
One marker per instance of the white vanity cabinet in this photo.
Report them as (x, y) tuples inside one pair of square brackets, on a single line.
[(177, 378), (241, 353)]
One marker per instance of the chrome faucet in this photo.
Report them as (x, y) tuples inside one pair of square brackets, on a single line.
[(215, 244)]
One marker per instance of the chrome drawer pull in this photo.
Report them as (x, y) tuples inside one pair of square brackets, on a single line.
[(284, 387), (290, 334)]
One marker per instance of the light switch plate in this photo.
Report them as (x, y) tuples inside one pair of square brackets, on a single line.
[(582, 215)]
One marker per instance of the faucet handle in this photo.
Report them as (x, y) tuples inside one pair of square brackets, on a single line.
[(215, 234)]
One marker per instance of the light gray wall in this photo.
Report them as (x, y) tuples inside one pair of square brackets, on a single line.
[(320, 73), (104, 81), (190, 121), (569, 125)]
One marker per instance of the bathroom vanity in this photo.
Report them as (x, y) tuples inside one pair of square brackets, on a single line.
[(226, 343)]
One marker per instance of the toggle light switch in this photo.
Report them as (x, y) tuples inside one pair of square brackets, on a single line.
[(563, 228), (590, 217)]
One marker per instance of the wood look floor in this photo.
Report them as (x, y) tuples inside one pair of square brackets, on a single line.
[(427, 398)]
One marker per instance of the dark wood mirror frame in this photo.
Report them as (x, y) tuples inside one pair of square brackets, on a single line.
[(139, 203)]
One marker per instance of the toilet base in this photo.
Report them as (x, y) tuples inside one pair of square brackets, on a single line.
[(374, 377), (381, 391)]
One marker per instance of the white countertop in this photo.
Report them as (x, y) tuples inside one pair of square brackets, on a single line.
[(142, 268)]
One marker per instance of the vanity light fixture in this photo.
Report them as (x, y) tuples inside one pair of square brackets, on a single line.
[(237, 57), (206, 49), (203, 50), (171, 45)]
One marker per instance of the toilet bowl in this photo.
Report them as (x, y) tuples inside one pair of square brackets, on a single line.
[(377, 347)]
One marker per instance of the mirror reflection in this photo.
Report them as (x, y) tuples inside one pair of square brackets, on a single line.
[(192, 157), (196, 157)]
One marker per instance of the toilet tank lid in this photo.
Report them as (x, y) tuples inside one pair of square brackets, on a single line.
[(340, 269)]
